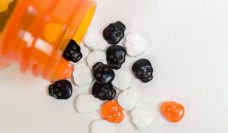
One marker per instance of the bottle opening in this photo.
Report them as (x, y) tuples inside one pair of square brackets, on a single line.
[(37, 34), (6, 9)]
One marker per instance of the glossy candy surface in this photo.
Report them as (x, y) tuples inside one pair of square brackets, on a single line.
[(94, 41), (172, 111), (129, 98), (61, 89), (72, 52), (135, 44), (115, 56), (103, 73), (114, 33), (82, 74), (142, 117), (122, 80), (112, 112), (143, 70), (104, 91)]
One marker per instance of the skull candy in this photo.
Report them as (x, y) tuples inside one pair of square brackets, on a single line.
[(61, 89), (114, 32), (112, 112), (103, 91), (72, 52), (103, 73), (143, 70), (115, 56)]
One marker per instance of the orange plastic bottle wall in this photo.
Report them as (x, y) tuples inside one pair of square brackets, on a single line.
[(35, 33)]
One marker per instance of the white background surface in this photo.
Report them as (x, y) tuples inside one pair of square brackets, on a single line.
[(188, 42)]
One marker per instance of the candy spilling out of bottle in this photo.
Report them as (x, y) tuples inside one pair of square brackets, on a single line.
[(112, 92)]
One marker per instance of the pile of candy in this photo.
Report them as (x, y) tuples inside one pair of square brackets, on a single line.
[(111, 91)]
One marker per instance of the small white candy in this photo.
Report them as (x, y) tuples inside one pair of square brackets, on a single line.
[(94, 40), (102, 126), (82, 74), (87, 103), (142, 117), (96, 56), (122, 79), (135, 44), (128, 99)]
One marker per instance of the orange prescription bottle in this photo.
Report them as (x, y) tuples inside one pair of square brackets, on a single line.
[(35, 33)]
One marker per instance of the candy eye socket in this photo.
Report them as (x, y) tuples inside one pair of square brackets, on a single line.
[(98, 75), (118, 33), (111, 57), (121, 57), (139, 73), (148, 70)]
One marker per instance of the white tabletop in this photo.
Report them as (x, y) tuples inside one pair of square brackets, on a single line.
[(188, 47)]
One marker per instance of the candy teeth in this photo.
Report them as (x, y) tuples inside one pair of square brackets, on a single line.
[(142, 117), (87, 103), (82, 75), (94, 57), (102, 126), (122, 80), (128, 99), (135, 44), (94, 41)]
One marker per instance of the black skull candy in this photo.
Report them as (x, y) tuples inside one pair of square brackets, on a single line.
[(72, 52), (114, 33), (143, 70), (103, 73), (115, 56), (103, 92), (61, 89)]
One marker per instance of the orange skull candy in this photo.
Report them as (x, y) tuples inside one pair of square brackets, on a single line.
[(172, 111), (112, 112)]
